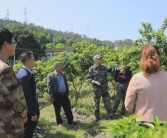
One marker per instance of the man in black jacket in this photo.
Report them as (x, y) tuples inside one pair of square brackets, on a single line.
[(58, 94), (26, 78)]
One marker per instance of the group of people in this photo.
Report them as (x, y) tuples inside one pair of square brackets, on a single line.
[(144, 94), (19, 108), (98, 77)]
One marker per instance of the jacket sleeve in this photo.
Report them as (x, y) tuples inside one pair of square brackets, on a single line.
[(28, 92), (50, 86), (90, 76), (131, 96), (116, 74), (16, 94), (67, 87), (110, 69)]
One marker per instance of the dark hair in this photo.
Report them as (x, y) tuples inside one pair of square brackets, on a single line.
[(25, 56), (5, 35), (150, 59), (56, 63)]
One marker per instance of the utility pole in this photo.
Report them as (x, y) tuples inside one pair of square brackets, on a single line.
[(25, 16), (87, 31), (72, 27), (53, 43), (7, 15)]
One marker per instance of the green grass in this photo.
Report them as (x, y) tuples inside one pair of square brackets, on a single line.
[(84, 113), (83, 129), (87, 126)]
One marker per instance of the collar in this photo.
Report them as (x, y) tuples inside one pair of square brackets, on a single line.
[(95, 66), (3, 59), (57, 72), (28, 69)]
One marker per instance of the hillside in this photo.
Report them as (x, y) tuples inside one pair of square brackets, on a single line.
[(34, 37)]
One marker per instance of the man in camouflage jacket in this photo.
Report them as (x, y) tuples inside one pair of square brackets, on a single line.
[(12, 102), (98, 77)]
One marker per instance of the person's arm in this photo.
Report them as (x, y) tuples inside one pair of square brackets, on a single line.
[(67, 87), (50, 87), (90, 78), (131, 96), (110, 70), (14, 92), (28, 92), (116, 74)]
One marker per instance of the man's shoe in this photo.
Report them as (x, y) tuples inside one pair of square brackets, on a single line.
[(61, 124), (35, 136), (111, 115), (74, 123), (123, 114), (98, 119), (39, 129)]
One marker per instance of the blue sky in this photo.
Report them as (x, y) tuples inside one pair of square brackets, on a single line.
[(101, 19)]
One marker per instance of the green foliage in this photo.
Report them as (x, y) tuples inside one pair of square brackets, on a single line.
[(130, 56), (127, 127), (76, 65), (17, 66), (40, 37), (157, 37)]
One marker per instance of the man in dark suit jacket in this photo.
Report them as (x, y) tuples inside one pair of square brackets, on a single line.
[(58, 94), (26, 78)]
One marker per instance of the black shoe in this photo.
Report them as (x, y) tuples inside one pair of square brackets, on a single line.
[(60, 124), (74, 123), (111, 115), (39, 129), (123, 113), (35, 136), (98, 119)]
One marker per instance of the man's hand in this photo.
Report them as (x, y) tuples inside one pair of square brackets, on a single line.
[(34, 118), (25, 120), (96, 82)]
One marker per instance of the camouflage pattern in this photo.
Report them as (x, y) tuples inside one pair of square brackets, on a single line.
[(100, 74), (12, 104), (121, 93)]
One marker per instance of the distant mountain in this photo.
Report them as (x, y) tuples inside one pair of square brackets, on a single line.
[(45, 36), (37, 38)]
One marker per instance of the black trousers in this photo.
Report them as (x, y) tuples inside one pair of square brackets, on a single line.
[(29, 127), (62, 100)]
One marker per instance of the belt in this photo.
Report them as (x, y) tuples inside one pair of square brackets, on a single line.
[(62, 93)]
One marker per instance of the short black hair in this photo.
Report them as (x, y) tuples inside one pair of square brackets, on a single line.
[(5, 35), (56, 63), (25, 56)]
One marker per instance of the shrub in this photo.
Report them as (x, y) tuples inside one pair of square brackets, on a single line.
[(127, 127)]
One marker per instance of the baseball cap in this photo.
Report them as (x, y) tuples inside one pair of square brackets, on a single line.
[(97, 57)]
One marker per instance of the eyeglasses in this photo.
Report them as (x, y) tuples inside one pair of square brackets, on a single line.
[(14, 42)]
